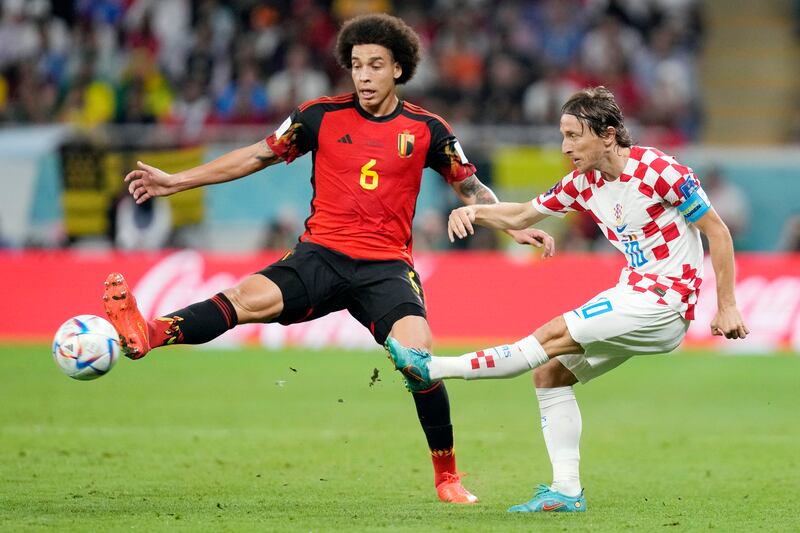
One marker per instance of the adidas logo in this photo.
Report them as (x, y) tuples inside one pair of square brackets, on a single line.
[(346, 139)]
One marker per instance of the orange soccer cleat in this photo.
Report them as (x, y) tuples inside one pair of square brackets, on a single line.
[(125, 316), (452, 491)]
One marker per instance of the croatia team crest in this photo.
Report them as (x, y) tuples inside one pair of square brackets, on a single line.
[(618, 219), (405, 144)]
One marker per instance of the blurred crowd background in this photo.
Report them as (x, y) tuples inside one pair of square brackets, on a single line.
[(199, 67), (197, 62)]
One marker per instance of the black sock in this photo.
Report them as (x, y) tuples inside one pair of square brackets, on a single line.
[(196, 324), (433, 410)]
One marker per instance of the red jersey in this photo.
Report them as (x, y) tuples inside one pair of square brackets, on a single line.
[(367, 171)]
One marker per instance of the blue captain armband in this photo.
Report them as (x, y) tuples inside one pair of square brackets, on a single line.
[(695, 205)]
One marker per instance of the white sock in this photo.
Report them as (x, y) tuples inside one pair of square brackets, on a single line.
[(561, 426), (504, 361)]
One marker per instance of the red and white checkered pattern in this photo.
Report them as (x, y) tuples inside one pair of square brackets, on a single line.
[(639, 216), (481, 359)]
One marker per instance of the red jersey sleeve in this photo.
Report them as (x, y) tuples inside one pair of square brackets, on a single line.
[(293, 138), (445, 155)]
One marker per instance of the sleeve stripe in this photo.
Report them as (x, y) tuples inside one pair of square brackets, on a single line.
[(420, 111)]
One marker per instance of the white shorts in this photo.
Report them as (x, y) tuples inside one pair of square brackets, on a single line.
[(616, 325)]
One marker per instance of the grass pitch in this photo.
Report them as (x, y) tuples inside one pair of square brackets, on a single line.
[(300, 441)]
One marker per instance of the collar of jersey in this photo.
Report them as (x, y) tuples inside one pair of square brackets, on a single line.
[(385, 118)]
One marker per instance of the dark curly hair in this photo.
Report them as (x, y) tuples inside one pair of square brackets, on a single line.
[(597, 108), (384, 30)]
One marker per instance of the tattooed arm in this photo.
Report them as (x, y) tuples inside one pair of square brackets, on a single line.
[(148, 182), (474, 193)]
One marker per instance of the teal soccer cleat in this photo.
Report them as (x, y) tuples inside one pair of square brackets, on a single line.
[(412, 363), (546, 500)]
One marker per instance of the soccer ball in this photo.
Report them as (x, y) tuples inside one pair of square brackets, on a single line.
[(86, 347)]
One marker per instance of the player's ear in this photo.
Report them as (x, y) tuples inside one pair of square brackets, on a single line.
[(610, 136), (398, 71)]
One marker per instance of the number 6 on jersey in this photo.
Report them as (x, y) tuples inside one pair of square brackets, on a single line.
[(369, 178)]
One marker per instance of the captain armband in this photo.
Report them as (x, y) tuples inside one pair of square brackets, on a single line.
[(695, 205)]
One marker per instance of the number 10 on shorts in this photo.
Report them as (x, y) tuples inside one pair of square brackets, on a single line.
[(597, 307)]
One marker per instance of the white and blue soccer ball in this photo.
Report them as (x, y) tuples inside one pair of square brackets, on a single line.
[(86, 347)]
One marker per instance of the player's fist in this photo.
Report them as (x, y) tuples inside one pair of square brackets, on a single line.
[(729, 322), (148, 182), (460, 222)]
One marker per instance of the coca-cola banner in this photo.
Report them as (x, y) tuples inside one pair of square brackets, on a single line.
[(472, 298)]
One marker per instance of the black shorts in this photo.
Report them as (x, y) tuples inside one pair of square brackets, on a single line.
[(316, 280)]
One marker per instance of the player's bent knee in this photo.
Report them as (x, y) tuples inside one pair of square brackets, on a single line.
[(413, 331), (553, 374), (256, 299)]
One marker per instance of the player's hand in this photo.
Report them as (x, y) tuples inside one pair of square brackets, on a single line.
[(460, 223), (729, 322), (535, 237), (148, 182)]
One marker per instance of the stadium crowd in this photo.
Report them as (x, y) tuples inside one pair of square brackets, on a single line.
[(198, 62), (192, 64)]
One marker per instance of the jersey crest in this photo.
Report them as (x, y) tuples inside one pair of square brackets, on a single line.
[(405, 144), (619, 227)]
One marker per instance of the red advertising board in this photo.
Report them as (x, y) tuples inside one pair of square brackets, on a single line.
[(471, 297)]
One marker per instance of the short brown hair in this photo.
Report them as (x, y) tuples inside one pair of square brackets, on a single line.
[(384, 30), (596, 107)]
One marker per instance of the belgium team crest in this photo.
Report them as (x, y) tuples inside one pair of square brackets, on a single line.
[(405, 144)]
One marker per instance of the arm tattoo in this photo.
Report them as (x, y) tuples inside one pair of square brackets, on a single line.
[(265, 154), (472, 188)]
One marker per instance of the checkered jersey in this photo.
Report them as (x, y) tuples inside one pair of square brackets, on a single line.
[(646, 215)]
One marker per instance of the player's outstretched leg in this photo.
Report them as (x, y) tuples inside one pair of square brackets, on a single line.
[(198, 323), (546, 500), (124, 315), (412, 363), (421, 369)]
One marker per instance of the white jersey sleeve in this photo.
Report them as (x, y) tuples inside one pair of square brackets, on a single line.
[(677, 185), (565, 196)]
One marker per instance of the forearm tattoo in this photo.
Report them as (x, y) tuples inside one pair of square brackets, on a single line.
[(473, 188), (265, 154)]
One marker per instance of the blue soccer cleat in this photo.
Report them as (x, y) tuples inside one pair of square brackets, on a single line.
[(546, 500), (412, 363)]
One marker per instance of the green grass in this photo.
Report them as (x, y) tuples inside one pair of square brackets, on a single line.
[(208, 440)]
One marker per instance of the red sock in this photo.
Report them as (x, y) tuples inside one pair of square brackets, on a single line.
[(162, 330), (444, 462)]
